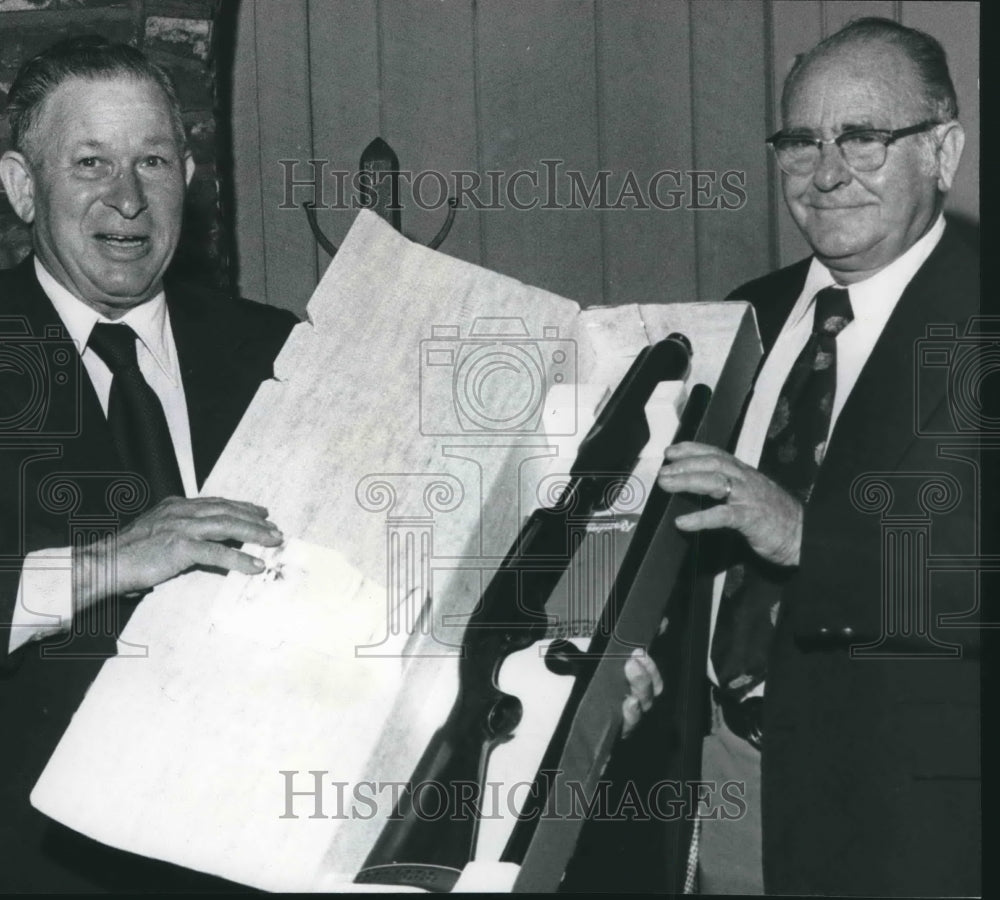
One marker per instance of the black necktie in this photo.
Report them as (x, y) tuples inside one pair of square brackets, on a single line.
[(135, 415), (791, 457)]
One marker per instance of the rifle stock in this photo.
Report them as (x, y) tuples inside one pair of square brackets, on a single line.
[(424, 842)]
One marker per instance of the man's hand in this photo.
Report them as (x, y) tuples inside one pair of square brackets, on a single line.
[(766, 515), (645, 683), (178, 534)]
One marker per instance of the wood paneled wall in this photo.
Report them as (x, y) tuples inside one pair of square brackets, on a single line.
[(617, 86)]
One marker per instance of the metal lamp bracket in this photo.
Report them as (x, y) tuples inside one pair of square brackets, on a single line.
[(379, 181)]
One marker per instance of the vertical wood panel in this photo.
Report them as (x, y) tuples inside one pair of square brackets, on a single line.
[(624, 86), (644, 68), (795, 27), (248, 213), (956, 26), (537, 101), (728, 125), (429, 113), (285, 133), (837, 13), (344, 71)]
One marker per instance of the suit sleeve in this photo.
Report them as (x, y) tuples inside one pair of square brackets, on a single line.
[(44, 604), (35, 566)]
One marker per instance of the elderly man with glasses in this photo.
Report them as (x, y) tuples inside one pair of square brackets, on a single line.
[(843, 681)]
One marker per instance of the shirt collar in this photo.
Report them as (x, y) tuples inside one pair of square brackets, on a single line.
[(148, 320), (883, 288)]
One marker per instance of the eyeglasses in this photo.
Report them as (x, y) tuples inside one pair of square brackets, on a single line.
[(864, 150)]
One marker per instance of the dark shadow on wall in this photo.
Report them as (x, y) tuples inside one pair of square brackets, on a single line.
[(205, 254), (224, 53)]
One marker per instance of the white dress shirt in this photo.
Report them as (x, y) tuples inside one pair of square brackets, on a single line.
[(45, 594), (872, 302)]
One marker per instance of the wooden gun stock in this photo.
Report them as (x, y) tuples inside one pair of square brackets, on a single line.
[(423, 844)]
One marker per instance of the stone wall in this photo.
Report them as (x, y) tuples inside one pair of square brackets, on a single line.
[(184, 37)]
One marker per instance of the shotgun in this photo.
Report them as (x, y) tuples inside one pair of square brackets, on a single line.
[(429, 849)]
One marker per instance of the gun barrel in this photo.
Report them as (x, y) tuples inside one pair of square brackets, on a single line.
[(430, 852)]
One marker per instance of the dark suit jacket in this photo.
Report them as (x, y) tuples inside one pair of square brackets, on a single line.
[(58, 475), (870, 766), (870, 763)]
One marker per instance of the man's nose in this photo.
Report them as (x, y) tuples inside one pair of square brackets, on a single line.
[(126, 193), (831, 170)]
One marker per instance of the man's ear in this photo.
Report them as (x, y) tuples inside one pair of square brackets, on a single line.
[(188, 168), (19, 183), (949, 152)]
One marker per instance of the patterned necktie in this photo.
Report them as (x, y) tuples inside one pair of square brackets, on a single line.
[(791, 457), (135, 415)]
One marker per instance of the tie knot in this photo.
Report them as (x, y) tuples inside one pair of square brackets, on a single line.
[(115, 344), (833, 311)]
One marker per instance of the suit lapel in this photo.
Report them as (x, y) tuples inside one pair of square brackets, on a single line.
[(76, 410), (225, 353), (879, 421), (206, 371), (771, 316), (771, 311)]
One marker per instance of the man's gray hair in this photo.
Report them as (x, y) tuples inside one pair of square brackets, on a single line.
[(85, 56), (923, 50)]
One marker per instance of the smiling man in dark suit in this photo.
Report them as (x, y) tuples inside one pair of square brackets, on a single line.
[(119, 392), (840, 698)]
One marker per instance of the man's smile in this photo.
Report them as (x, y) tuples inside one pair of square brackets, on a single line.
[(123, 246), (837, 207)]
